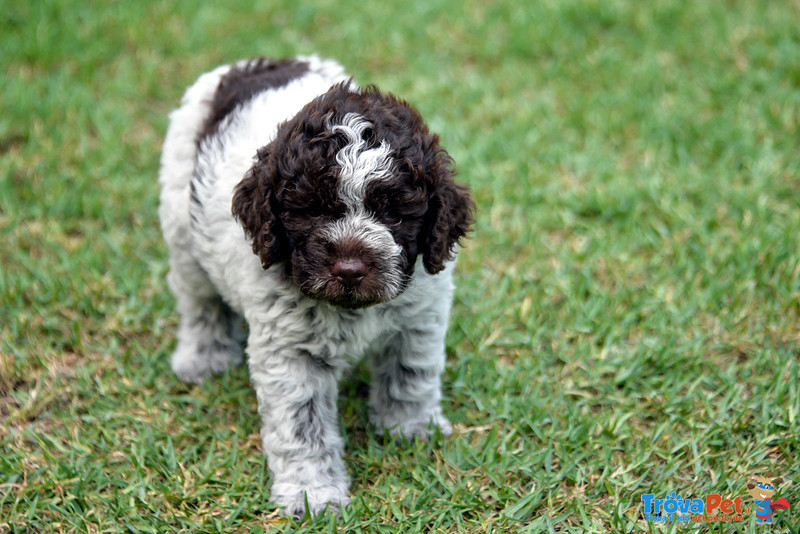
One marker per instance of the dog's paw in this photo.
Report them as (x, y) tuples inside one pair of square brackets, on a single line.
[(422, 430), (422, 427), (193, 362), (319, 501)]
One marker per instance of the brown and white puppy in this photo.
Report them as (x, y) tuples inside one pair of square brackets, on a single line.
[(327, 217)]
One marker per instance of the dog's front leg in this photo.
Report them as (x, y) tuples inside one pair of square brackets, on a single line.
[(406, 379), (297, 403)]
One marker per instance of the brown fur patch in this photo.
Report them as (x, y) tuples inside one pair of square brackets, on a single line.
[(241, 84)]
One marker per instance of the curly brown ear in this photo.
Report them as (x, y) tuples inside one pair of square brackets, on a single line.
[(777, 481), (450, 216), (751, 486), (254, 205)]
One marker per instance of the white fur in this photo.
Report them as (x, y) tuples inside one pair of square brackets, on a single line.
[(297, 348), (359, 165)]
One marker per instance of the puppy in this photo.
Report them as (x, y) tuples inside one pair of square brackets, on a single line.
[(326, 216)]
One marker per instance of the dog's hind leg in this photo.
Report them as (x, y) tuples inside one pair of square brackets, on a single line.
[(209, 339), (209, 334)]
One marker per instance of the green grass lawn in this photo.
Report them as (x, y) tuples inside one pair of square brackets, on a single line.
[(627, 319)]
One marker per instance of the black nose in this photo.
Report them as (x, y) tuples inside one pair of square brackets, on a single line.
[(349, 272)]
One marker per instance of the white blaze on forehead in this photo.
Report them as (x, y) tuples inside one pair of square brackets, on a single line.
[(358, 165)]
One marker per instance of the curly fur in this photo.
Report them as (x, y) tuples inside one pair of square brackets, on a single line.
[(277, 177)]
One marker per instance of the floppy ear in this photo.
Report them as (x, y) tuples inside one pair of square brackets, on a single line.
[(751, 486), (778, 481), (449, 217), (254, 205)]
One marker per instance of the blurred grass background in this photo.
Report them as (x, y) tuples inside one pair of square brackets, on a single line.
[(626, 318)]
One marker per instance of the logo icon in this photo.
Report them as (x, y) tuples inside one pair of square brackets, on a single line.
[(714, 507), (762, 489)]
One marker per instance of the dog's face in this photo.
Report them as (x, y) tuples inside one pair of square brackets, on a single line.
[(348, 195)]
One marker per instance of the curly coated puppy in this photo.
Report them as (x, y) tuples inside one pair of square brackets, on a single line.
[(326, 216)]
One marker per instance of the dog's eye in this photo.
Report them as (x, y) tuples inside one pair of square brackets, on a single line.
[(314, 212), (302, 213)]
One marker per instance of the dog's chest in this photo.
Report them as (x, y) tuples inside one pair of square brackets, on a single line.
[(281, 318), (346, 336)]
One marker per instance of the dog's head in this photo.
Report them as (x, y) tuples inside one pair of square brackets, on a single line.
[(349, 193)]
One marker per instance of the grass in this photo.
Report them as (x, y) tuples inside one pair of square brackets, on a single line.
[(626, 320)]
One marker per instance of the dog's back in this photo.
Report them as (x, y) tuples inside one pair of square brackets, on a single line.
[(216, 95), (247, 79)]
